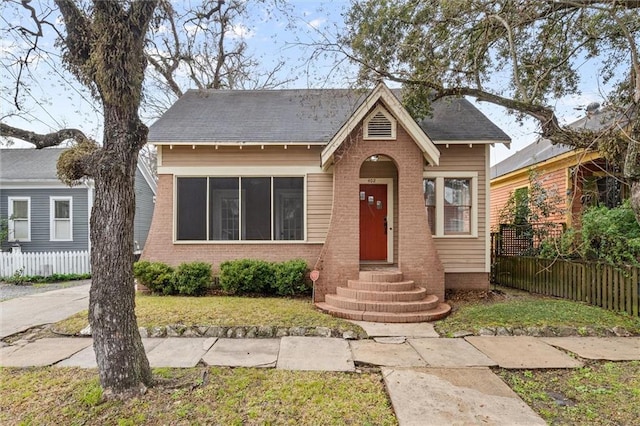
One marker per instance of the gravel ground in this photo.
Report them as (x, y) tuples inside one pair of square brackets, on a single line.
[(10, 291)]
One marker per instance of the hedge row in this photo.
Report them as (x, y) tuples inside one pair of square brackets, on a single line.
[(188, 279), (244, 276), (247, 276)]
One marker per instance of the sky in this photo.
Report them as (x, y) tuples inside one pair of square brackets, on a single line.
[(53, 99)]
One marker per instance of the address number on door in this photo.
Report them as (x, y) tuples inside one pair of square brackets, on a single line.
[(371, 180)]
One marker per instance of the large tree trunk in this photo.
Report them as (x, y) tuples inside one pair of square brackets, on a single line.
[(122, 362)]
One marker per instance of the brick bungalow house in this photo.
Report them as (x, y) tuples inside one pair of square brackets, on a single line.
[(582, 176), (390, 211)]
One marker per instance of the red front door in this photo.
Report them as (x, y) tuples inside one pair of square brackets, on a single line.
[(373, 222)]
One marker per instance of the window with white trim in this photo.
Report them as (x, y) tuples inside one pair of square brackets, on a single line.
[(239, 208), (19, 211), (61, 214), (451, 203), (379, 125)]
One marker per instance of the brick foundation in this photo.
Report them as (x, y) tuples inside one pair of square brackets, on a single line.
[(466, 281)]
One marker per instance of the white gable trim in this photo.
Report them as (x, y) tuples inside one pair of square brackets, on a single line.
[(382, 93)]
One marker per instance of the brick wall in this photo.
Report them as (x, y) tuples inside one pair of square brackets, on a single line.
[(417, 256), (160, 246)]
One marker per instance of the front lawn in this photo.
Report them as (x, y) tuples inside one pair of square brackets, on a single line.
[(154, 311), (223, 396), (514, 309), (601, 393)]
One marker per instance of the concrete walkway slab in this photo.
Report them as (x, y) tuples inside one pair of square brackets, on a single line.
[(608, 348), (314, 354), (389, 355), (179, 352), (243, 353), (383, 329), (522, 352), (466, 396), (22, 313), (450, 353), (86, 358), (44, 352)]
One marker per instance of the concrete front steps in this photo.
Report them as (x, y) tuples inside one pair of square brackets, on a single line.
[(383, 296)]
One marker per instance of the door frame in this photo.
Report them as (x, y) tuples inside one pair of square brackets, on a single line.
[(390, 231)]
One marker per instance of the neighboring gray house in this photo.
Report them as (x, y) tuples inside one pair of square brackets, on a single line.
[(43, 214)]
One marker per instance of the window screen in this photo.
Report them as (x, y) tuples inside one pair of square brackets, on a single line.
[(256, 201), (224, 209), (288, 202), (192, 208)]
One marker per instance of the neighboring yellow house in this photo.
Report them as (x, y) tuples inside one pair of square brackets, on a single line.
[(581, 177)]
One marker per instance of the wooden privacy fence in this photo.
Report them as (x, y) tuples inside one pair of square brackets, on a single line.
[(45, 263), (610, 287)]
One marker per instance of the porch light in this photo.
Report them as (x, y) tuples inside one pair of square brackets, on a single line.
[(373, 158)]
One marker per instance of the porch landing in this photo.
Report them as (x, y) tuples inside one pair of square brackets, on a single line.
[(381, 295)]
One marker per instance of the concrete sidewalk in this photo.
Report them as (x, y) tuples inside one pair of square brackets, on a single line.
[(430, 380), (22, 313)]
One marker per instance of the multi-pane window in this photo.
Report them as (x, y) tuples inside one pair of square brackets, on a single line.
[(240, 208), (61, 219), (457, 206), (450, 204), (19, 218)]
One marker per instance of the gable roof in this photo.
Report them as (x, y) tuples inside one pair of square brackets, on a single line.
[(40, 165), (381, 93), (306, 116), (542, 149)]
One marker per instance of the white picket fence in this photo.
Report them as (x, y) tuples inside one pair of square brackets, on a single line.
[(45, 263)]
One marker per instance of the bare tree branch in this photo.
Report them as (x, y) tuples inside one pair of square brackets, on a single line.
[(43, 140)]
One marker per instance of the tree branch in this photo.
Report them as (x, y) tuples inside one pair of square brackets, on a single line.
[(43, 140)]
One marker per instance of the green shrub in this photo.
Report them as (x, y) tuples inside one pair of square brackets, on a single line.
[(18, 278), (155, 275), (610, 235), (290, 278), (246, 276), (192, 279)]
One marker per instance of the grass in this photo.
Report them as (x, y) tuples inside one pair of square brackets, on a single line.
[(603, 393), (197, 396), (221, 311), (517, 309)]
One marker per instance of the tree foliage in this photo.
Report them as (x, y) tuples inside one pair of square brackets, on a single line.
[(522, 55)]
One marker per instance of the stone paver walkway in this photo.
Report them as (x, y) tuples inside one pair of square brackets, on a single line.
[(449, 396), (522, 352)]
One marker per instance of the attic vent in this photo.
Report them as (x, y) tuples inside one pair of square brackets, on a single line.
[(380, 125)]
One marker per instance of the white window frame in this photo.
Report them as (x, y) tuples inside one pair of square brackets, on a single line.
[(11, 227), (394, 125), (439, 178), (296, 172), (53, 219)]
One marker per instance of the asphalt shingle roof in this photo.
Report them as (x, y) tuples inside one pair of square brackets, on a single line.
[(297, 115), (29, 163), (25, 164), (542, 149)]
